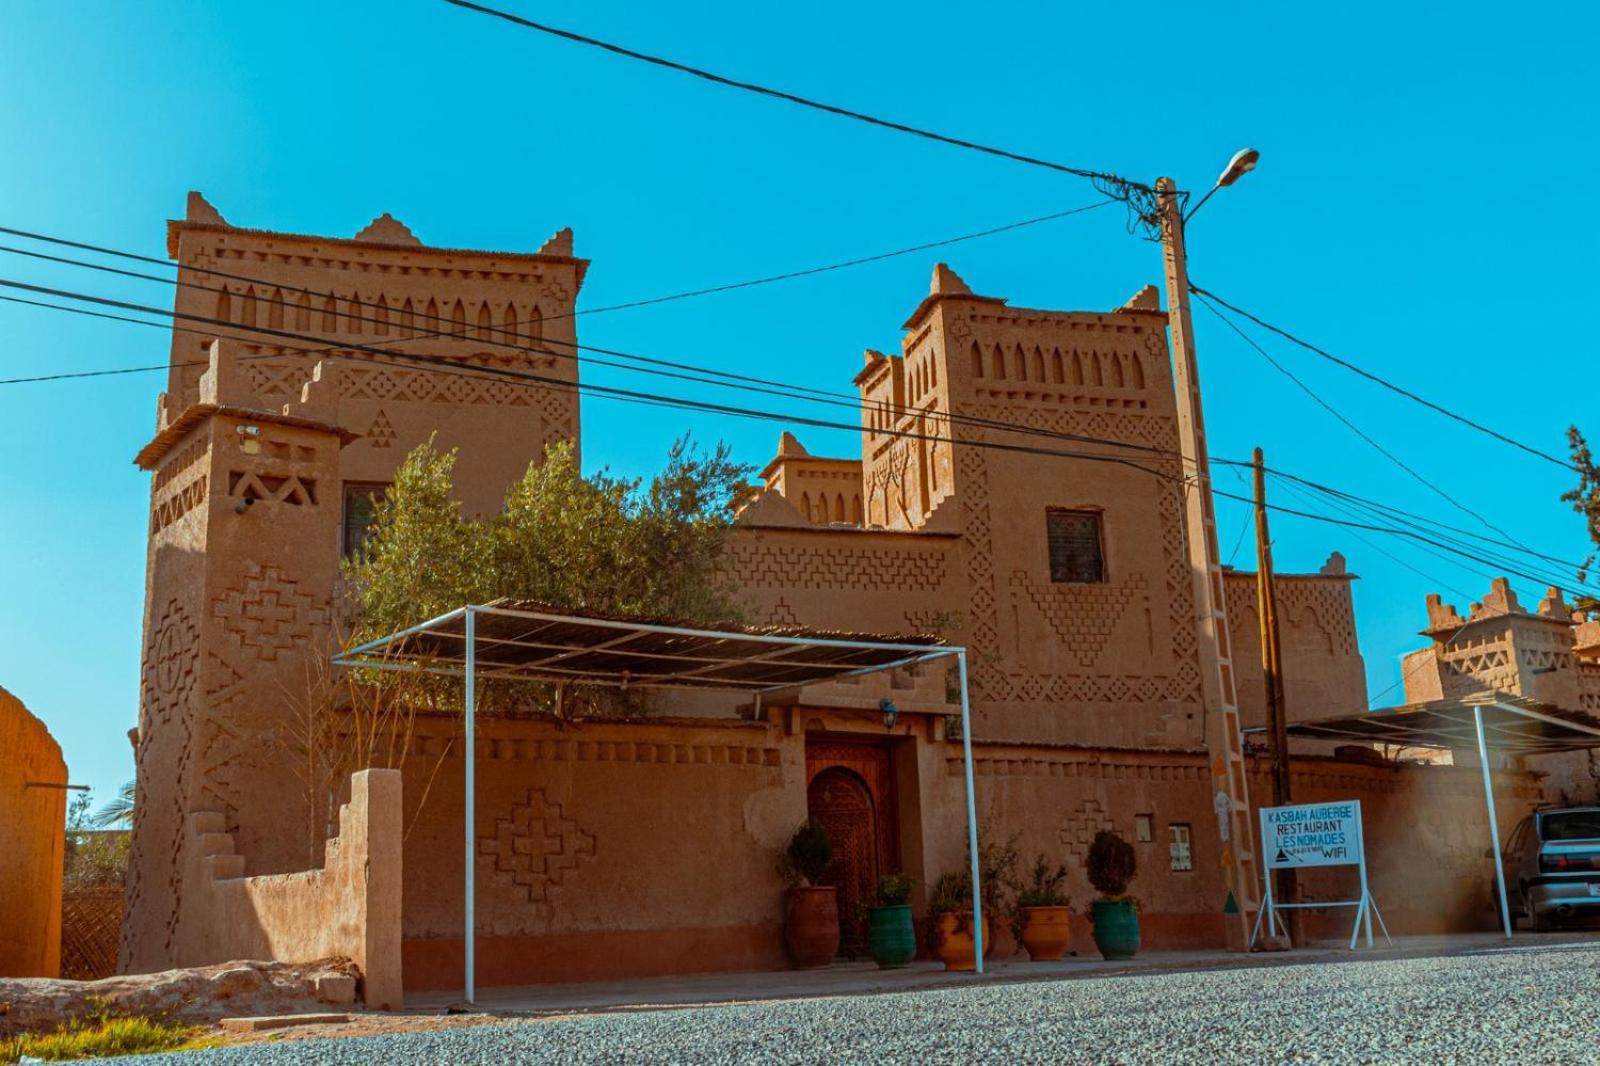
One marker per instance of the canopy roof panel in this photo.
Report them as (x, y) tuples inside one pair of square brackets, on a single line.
[(528, 640), (1514, 725)]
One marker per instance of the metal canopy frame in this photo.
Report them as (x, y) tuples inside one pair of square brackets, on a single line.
[(1518, 725), (523, 641)]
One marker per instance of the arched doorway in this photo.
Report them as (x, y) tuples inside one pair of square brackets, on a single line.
[(851, 794)]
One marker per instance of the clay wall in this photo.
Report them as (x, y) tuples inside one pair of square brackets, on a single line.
[(602, 849), (1323, 672), (385, 290), (350, 905), (33, 821), (825, 491), (1427, 837)]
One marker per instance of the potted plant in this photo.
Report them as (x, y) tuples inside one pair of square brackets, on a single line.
[(950, 906), (890, 934), (1111, 866), (811, 922), (1042, 920), (950, 922)]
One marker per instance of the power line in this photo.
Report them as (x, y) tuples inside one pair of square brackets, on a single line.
[(1385, 382), (691, 372), (1107, 182), (766, 385), (434, 364), (812, 271), (791, 275), (1348, 424), (777, 388), (1386, 510)]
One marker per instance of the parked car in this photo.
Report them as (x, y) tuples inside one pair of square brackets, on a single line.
[(1552, 865)]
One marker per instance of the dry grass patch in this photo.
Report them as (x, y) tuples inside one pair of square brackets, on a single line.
[(103, 1036)]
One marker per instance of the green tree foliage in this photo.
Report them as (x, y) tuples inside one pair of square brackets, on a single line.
[(96, 849), (1585, 500), (116, 812), (1111, 864), (633, 547)]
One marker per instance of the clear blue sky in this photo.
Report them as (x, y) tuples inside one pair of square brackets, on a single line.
[(1422, 206)]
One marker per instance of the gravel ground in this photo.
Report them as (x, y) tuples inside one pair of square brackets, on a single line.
[(1538, 1004)]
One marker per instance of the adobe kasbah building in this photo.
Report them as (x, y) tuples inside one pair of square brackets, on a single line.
[(648, 845)]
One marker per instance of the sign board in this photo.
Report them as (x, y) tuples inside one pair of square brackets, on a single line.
[(1313, 834)]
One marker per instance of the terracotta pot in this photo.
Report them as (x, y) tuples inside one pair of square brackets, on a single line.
[(953, 943), (811, 926), (1046, 932)]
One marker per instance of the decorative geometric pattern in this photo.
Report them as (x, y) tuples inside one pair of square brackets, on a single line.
[(91, 925), (535, 845), (381, 433), (289, 489), (989, 680), (788, 566), (1078, 831), (170, 662), (269, 615), (1083, 616)]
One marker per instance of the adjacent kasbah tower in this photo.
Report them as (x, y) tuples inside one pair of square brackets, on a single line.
[(1550, 654), (303, 370), (1058, 556)]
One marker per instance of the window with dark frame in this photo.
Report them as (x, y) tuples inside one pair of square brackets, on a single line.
[(360, 508), (1076, 555)]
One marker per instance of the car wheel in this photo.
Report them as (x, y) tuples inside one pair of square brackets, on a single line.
[(1536, 921)]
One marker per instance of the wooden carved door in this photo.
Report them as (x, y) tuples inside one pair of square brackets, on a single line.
[(851, 794)]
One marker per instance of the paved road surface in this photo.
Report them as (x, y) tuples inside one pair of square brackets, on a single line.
[(1524, 1004)]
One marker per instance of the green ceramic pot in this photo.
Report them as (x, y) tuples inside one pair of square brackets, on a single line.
[(891, 936), (1116, 928)]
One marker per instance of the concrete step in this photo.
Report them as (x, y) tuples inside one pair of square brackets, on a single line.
[(216, 843), (224, 867)]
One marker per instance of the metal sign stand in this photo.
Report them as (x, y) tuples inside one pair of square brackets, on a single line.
[(1366, 907)]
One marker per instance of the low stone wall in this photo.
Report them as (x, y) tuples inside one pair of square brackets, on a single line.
[(349, 907)]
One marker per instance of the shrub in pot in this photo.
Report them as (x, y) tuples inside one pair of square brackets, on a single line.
[(950, 927), (890, 934), (1041, 922), (1111, 866), (811, 920)]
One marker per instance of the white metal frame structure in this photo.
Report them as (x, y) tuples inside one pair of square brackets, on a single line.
[(535, 642), (1518, 725)]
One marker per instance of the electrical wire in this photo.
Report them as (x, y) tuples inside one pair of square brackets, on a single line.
[(441, 365), (1101, 178), (1348, 424), (778, 388), (1385, 382)]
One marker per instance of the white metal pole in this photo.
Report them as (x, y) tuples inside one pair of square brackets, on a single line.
[(972, 811), (1494, 822), (470, 761)]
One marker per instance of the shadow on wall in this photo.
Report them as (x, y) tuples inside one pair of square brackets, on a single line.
[(33, 819)]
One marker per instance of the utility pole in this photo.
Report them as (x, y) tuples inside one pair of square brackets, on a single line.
[(1224, 749), (1272, 674)]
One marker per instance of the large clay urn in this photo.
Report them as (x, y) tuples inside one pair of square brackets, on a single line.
[(1046, 931), (811, 926), (953, 941)]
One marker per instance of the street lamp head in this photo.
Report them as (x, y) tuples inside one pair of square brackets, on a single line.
[(1242, 163)]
